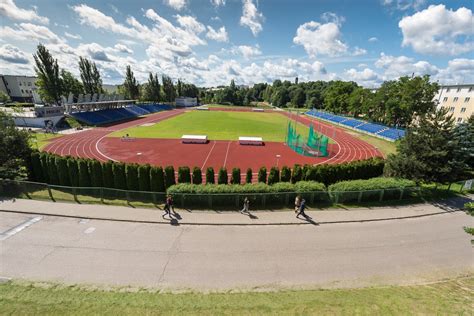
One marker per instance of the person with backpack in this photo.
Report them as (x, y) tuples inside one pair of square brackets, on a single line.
[(168, 206), (245, 209), (301, 209)]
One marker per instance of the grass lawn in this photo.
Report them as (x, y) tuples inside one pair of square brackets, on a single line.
[(217, 126), (453, 297), (42, 139)]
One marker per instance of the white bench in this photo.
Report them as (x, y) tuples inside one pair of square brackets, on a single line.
[(258, 110), (257, 141), (194, 139), (202, 108)]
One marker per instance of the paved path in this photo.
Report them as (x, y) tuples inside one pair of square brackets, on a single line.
[(203, 257)]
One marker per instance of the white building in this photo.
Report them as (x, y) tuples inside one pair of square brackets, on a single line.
[(185, 101), (459, 99), (19, 88)]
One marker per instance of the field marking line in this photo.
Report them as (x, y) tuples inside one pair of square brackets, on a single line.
[(227, 153), (208, 155), (14, 230)]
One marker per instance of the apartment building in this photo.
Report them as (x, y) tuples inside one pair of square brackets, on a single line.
[(20, 88), (459, 99)]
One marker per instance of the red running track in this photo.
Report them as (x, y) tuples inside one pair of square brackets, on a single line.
[(94, 143)]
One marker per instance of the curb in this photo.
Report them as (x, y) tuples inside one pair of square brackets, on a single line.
[(177, 223)]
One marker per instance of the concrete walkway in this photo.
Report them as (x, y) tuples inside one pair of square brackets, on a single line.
[(187, 217)]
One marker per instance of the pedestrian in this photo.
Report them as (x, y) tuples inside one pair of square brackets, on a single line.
[(302, 208), (297, 203), (170, 203), (245, 209), (167, 207)]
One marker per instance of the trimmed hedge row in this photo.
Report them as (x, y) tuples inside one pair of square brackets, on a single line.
[(300, 187)]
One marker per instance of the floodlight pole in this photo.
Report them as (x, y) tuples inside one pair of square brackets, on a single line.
[(278, 159)]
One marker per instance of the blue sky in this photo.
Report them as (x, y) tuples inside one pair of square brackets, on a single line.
[(210, 42)]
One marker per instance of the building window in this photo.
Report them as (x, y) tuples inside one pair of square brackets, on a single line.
[(451, 109), (455, 99), (467, 99), (29, 84), (19, 84), (470, 89), (463, 110), (459, 89), (447, 89), (459, 119), (445, 99)]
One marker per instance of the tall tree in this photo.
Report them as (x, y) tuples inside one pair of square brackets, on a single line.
[(168, 88), (70, 84), (47, 70), (179, 88), (130, 85), (153, 88), (90, 76)]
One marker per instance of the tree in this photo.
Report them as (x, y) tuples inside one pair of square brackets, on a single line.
[(197, 175), (168, 89), (131, 85), (298, 97), (157, 179), (84, 174), (131, 172), (63, 173), (262, 175), (144, 177), (280, 97), (210, 177), (222, 176), (37, 171), (336, 96), (184, 175), (73, 169), (153, 89), (52, 170), (285, 174), (358, 97), (235, 179), (169, 177), (95, 168), (297, 174), (274, 175), (120, 180), (14, 148), (248, 176), (108, 174), (70, 84), (90, 76), (427, 152), (4, 97), (47, 70)]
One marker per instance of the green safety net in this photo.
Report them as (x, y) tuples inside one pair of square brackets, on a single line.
[(314, 145)]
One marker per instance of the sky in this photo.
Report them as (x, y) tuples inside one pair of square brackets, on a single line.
[(210, 42)]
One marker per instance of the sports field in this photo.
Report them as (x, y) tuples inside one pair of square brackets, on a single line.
[(217, 125)]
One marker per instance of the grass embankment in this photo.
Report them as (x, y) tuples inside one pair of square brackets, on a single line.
[(444, 298), (217, 126), (39, 140)]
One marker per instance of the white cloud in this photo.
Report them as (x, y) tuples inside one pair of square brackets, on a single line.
[(438, 30), (248, 51), (73, 36), (9, 9), (251, 17), (218, 3), (176, 4), (333, 17), (219, 35), (30, 32), (395, 67), (320, 39), (190, 23), (366, 77), (459, 70), (373, 39), (403, 5), (123, 48), (12, 54), (359, 51)]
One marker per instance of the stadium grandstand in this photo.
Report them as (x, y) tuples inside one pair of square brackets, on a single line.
[(378, 130), (105, 109)]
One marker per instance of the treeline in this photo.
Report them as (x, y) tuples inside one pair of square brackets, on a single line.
[(395, 103), (77, 172), (54, 83)]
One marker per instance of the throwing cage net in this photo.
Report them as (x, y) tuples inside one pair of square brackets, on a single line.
[(314, 145)]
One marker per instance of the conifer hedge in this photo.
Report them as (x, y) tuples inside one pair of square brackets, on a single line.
[(144, 177), (222, 177), (262, 175), (157, 179), (169, 176), (197, 175), (108, 174), (210, 176), (274, 175), (249, 176), (131, 172), (184, 175), (285, 174), (235, 178), (120, 180), (95, 168)]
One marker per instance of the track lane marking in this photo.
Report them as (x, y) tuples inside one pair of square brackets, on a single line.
[(208, 155), (18, 228)]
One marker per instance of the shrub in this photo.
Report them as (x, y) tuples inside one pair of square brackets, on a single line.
[(144, 177), (304, 171), (107, 174), (469, 208), (309, 186), (210, 178), (222, 176), (120, 181), (52, 170), (297, 174), (73, 169), (184, 175), (235, 179), (37, 171), (285, 174), (197, 175), (169, 176), (262, 175), (63, 173), (95, 168), (157, 179), (84, 176), (248, 176), (274, 175), (44, 166), (131, 173)]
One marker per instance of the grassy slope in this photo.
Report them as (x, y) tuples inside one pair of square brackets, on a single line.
[(451, 297), (42, 139), (218, 126)]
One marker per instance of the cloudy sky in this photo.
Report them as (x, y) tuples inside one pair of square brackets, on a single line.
[(210, 42)]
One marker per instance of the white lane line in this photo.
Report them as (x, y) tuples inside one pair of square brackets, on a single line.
[(210, 151), (19, 228), (227, 153), (89, 230)]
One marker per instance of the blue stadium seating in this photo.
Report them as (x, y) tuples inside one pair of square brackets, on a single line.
[(108, 116), (371, 128)]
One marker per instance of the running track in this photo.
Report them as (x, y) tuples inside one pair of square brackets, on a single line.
[(95, 144)]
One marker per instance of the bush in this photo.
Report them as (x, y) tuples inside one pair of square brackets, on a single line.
[(63, 173), (274, 175), (469, 208), (131, 172), (210, 178), (157, 179), (120, 181), (84, 175), (222, 176), (107, 174), (37, 171), (144, 178), (262, 175), (169, 176), (95, 168), (297, 174), (184, 175), (285, 174), (73, 169), (235, 179), (304, 171), (197, 175), (52, 170), (44, 166), (248, 176)]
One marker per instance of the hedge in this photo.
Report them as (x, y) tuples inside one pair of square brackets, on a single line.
[(52, 170), (84, 175), (169, 176), (63, 173), (262, 175), (235, 179), (197, 175), (44, 166), (37, 170), (144, 177), (210, 177), (248, 176), (107, 174), (222, 177), (296, 174), (157, 179), (184, 175), (118, 170), (95, 168), (274, 175), (73, 169), (285, 175)]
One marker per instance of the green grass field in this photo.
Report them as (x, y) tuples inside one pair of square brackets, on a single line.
[(217, 126), (39, 140), (446, 298)]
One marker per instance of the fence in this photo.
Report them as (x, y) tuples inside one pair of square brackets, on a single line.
[(42, 191)]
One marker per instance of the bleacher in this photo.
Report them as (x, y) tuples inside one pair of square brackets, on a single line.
[(369, 128), (107, 116)]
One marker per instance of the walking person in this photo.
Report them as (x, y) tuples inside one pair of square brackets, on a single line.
[(297, 204), (166, 208), (301, 209), (170, 203), (245, 209)]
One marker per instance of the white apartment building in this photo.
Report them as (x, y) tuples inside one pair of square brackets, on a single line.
[(20, 88), (459, 99)]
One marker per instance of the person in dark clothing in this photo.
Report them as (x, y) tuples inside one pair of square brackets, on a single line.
[(301, 209)]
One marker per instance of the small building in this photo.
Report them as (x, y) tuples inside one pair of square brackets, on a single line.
[(186, 102), (458, 99), (19, 88)]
